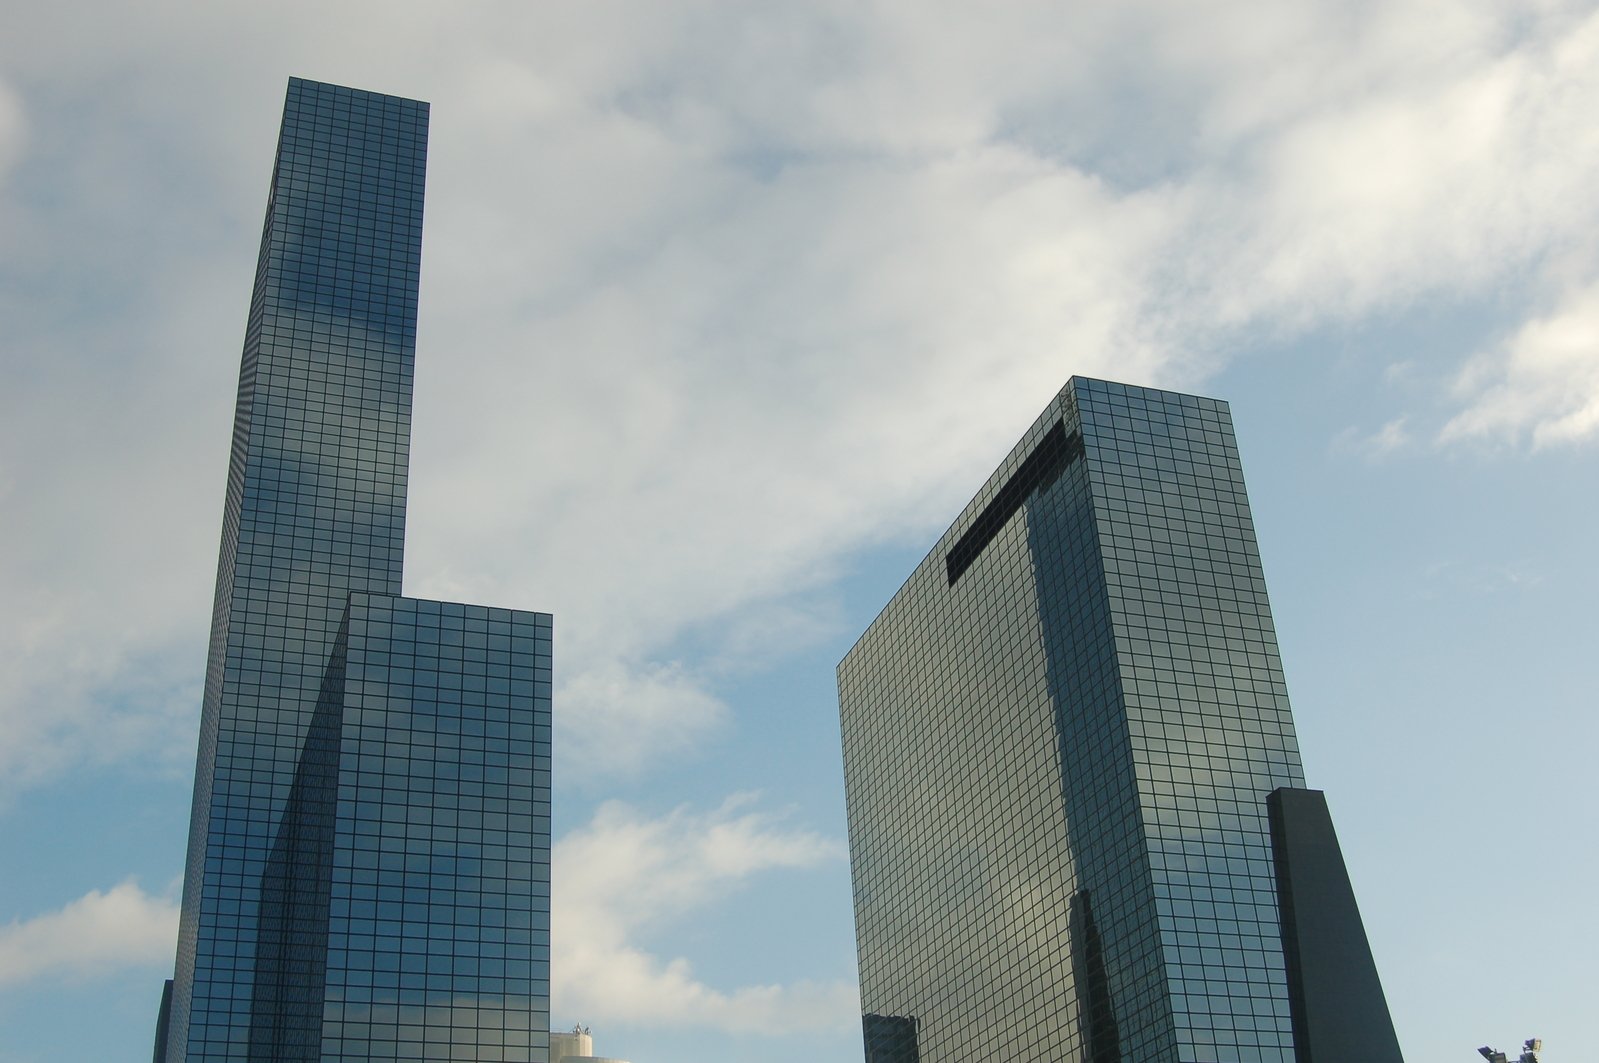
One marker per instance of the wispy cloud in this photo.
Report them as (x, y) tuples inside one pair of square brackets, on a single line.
[(715, 297), (626, 872), (1459, 577), (613, 716), (92, 937), (1542, 383), (1393, 436)]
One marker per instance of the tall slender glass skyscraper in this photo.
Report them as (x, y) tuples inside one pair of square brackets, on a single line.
[(368, 866), (1078, 828)]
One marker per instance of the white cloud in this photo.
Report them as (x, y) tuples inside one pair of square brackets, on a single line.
[(626, 872), (102, 643), (91, 937), (1543, 382), (714, 297), (1455, 156), (739, 374), (614, 717)]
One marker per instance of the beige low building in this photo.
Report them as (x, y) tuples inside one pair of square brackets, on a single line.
[(576, 1046)]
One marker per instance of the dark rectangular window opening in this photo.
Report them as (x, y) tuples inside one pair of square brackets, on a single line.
[(1053, 454)]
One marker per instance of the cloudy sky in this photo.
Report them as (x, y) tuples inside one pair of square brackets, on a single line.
[(727, 308)]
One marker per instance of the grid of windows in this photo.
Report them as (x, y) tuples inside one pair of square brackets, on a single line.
[(315, 506), (1057, 764), (1206, 706), (409, 914), (315, 514)]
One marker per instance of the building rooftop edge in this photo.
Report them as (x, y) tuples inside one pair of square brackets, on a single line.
[(1001, 473)]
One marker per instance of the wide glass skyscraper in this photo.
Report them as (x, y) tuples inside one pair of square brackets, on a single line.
[(368, 867), (1067, 744)]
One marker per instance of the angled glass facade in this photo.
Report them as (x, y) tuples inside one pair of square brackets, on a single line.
[(367, 874), (1059, 739)]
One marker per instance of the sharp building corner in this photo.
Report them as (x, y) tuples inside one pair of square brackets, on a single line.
[(368, 862), (1078, 823)]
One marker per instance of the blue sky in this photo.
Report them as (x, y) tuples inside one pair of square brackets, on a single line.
[(727, 308)]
